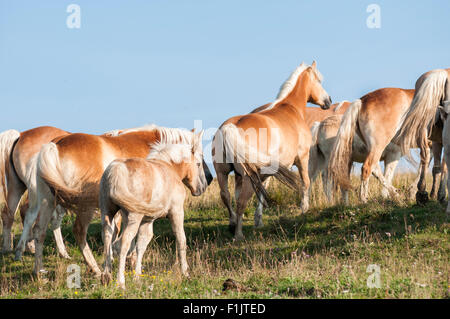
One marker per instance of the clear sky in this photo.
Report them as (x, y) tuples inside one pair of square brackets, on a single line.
[(173, 62)]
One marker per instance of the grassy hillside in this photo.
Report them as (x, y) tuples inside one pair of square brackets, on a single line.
[(322, 254)]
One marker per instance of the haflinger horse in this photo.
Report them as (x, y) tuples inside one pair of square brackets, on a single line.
[(430, 105), (313, 116), (324, 137), (146, 190), (267, 143), (69, 172), (374, 120), (17, 167)]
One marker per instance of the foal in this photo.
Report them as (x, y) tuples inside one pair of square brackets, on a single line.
[(146, 190)]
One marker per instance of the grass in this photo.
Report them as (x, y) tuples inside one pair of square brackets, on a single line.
[(322, 254)]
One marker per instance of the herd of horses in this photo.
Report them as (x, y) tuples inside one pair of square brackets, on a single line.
[(143, 172)]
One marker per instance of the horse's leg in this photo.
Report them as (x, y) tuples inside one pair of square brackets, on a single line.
[(80, 229), (15, 190), (437, 168), (129, 232), (259, 208), (327, 189), (372, 159), (30, 217), (344, 192), (56, 226), (222, 171), (444, 176), (108, 213), (446, 143), (23, 210), (116, 239), (144, 236), (390, 164), (176, 215), (422, 194), (366, 172), (302, 164), (245, 193), (392, 191), (45, 209)]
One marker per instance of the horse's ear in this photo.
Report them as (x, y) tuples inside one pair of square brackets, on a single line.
[(193, 130), (314, 64)]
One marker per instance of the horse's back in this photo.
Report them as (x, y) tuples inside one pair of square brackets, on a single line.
[(29, 143)]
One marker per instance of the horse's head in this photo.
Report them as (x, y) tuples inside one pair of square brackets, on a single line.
[(317, 94), (198, 176)]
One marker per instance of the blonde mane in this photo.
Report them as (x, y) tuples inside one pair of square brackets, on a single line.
[(290, 83), (176, 146), (168, 153)]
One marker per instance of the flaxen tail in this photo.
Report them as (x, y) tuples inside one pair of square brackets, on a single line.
[(341, 155), (50, 170), (7, 141), (416, 121), (254, 162)]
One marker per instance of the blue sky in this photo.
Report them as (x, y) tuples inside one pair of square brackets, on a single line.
[(173, 62)]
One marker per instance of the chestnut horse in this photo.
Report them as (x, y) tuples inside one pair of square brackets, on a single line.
[(374, 118), (146, 190), (16, 166), (69, 172), (21, 170), (312, 115), (262, 144), (324, 137), (423, 121)]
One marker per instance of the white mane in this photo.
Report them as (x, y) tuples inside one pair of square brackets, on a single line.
[(176, 153), (290, 83)]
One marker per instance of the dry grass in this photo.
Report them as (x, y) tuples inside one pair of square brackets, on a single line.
[(322, 254)]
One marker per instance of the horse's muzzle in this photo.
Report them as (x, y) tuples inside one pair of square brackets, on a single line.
[(327, 103)]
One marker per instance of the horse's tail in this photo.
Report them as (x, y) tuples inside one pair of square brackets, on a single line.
[(254, 162), (7, 141), (114, 187), (315, 155), (341, 155), (422, 111), (315, 132), (50, 170)]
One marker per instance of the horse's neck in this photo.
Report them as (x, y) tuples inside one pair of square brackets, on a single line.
[(298, 97), (179, 169)]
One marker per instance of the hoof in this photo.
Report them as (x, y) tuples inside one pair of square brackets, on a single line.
[(65, 256), (132, 259), (422, 197), (238, 238), (106, 278)]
